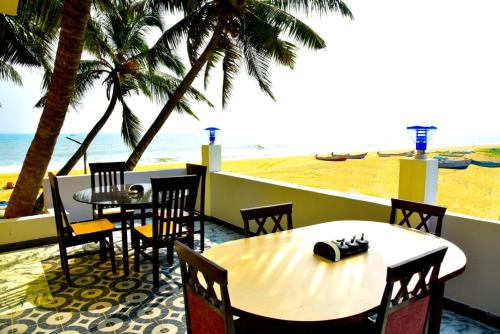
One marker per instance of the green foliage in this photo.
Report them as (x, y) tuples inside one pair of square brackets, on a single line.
[(492, 152), (255, 33), (26, 39), (125, 64)]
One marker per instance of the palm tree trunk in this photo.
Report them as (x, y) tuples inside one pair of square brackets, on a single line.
[(148, 137), (90, 137), (69, 50)]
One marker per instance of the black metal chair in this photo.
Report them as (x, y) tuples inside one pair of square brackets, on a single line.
[(201, 171), (260, 215), (174, 199), (74, 234), (424, 211)]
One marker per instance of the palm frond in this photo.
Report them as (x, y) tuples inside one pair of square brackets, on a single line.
[(89, 71), (131, 125), (20, 45), (44, 15), (286, 23), (214, 59), (162, 85), (264, 39), (308, 7), (230, 67), (7, 72), (257, 66), (183, 107)]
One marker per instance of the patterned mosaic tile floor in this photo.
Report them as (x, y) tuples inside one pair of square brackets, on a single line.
[(99, 301)]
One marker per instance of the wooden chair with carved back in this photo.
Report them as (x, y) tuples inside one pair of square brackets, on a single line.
[(424, 211), (80, 233), (411, 289), (174, 199), (107, 174), (201, 171), (206, 311), (272, 213)]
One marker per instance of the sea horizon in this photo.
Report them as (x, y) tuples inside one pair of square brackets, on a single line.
[(178, 147)]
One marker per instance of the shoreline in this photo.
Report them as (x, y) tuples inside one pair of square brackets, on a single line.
[(232, 153)]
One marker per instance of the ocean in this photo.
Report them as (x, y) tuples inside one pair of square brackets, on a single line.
[(186, 147), (110, 147)]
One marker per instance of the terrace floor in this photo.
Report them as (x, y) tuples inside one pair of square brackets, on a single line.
[(35, 298)]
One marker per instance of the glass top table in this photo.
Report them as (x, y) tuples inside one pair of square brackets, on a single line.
[(118, 195)]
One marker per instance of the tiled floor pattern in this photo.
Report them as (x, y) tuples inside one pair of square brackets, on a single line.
[(99, 301)]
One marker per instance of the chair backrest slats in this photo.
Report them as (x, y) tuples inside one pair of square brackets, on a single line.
[(424, 211), (272, 213), (203, 305), (201, 171), (174, 199), (107, 173), (406, 310), (62, 222)]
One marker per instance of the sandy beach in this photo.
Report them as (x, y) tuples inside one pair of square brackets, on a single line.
[(474, 191)]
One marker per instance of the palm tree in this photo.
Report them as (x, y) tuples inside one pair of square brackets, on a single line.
[(75, 16), (116, 37), (241, 32), (25, 39)]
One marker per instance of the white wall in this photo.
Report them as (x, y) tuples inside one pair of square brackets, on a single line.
[(27, 228), (68, 185), (478, 286)]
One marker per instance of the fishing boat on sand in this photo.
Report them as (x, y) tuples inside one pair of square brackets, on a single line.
[(489, 164), (400, 154), (452, 155), (453, 164), (331, 158), (351, 156)]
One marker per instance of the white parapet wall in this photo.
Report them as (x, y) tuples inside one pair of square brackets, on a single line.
[(68, 185), (478, 286), (18, 230)]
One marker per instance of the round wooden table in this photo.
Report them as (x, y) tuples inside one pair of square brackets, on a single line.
[(277, 276)]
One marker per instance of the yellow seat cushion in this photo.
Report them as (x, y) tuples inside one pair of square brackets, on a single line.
[(112, 211), (92, 226), (147, 230)]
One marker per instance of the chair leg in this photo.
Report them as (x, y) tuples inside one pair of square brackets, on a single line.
[(202, 233), (64, 263), (156, 267), (136, 245), (112, 253), (170, 253), (103, 256)]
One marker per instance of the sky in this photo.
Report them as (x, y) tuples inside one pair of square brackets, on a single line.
[(398, 63)]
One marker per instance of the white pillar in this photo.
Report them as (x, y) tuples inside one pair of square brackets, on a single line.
[(418, 180), (211, 157)]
